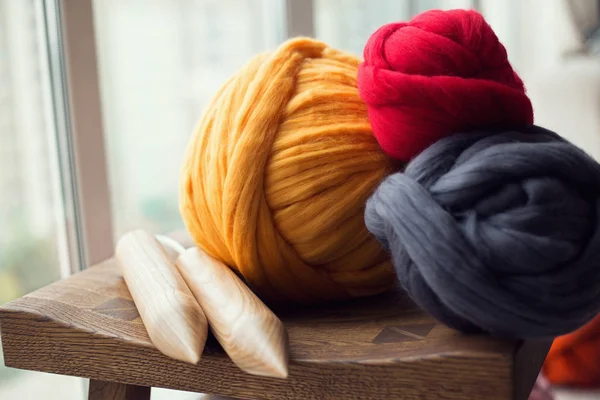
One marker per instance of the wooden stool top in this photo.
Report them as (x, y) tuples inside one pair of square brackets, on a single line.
[(376, 348)]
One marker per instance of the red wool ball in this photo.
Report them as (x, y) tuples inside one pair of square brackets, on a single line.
[(441, 73)]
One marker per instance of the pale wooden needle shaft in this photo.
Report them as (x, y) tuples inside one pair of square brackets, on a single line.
[(250, 333), (175, 322)]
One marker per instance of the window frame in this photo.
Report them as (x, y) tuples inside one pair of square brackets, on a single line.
[(71, 47), (300, 18)]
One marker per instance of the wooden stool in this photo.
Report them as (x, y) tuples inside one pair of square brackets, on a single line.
[(377, 348)]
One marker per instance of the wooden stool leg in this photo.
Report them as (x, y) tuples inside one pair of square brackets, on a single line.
[(100, 390)]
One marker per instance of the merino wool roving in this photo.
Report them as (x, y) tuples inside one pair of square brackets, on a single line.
[(440, 73), (496, 231), (276, 177)]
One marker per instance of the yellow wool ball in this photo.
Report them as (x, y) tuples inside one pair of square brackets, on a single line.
[(277, 173)]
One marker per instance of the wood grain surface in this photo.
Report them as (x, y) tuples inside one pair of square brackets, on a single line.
[(377, 348), (117, 391)]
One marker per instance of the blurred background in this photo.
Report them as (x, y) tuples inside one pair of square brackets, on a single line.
[(91, 144)]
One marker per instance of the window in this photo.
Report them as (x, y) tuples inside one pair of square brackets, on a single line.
[(34, 249), (347, 24), (160, 62)]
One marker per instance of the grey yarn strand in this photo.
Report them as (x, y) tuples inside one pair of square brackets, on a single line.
[(496, 232)]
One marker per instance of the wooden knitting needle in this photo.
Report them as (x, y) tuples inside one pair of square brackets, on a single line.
[(174, 320), (249, 332)]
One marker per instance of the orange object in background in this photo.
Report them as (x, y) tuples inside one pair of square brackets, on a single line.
[(574, 359)]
